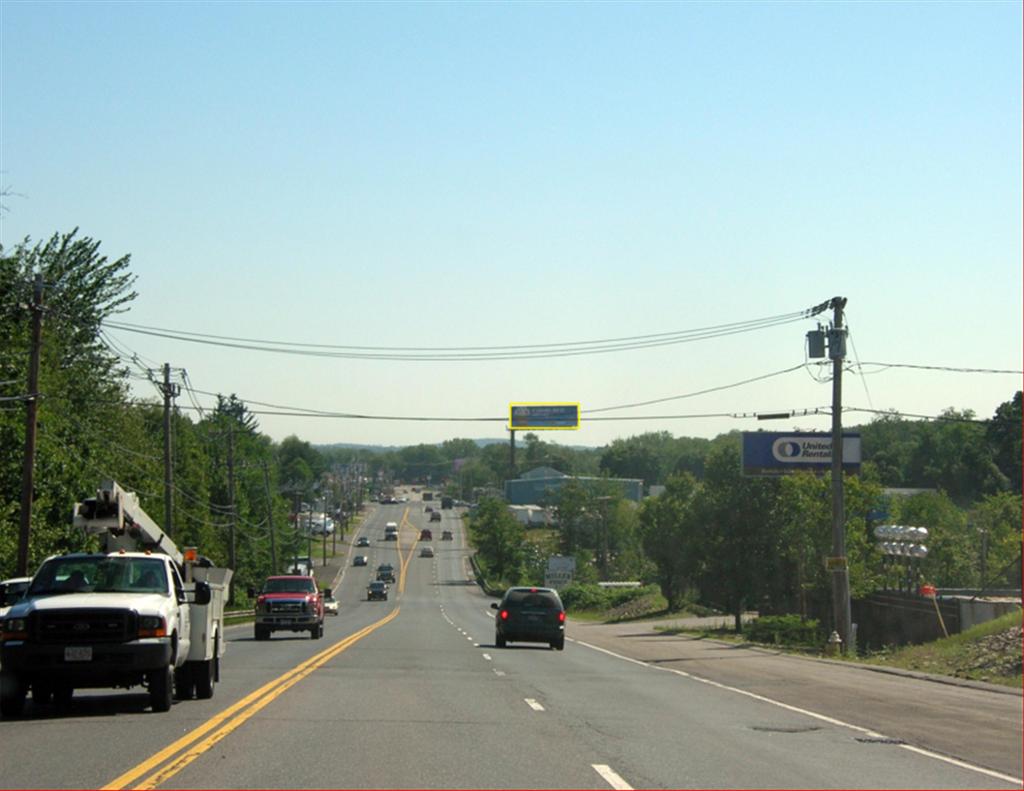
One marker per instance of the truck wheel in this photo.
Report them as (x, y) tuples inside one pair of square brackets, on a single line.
[(161, 688), (204, 680), (184, 682), (499, 641), (12, 695), (62, 694), (205, 674), (559, 644), (262, 633)]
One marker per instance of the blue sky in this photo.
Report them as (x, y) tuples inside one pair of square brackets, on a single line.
[(464, 174)]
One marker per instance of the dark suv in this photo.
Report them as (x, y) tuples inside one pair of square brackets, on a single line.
[(530, 615)]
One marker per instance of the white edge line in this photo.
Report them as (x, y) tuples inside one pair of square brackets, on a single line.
[(831, 720), (533, 704), (612, 777)]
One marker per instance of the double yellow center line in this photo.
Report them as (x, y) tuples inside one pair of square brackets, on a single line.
[(172, 759)]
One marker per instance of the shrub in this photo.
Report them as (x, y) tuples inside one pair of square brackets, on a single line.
[(784, 630), (594, 597)]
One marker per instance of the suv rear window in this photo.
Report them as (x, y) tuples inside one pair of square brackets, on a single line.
[(528, 598)]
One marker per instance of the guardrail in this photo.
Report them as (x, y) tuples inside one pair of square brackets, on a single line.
[(237, 615), (482, 581)]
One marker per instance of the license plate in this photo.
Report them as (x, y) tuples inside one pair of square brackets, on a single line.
[(78, 653)]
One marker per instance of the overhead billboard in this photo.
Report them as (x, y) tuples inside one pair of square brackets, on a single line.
[(543, 416), (769, 453)]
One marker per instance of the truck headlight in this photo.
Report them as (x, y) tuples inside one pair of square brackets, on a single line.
[(14, 629), (152, 626)]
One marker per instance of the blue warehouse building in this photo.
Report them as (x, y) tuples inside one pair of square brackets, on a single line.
[(540, 485)]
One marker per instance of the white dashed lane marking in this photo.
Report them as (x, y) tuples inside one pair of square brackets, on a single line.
[(612, 777), (533, 704)]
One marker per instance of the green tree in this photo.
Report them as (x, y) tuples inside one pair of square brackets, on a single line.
[(996, 524), (499, 540), (952, 550), (670, 539), (1004, 437), (741, 530), (81, 381)]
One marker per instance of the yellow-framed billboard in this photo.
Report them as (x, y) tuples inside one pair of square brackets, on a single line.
[(543, 416)]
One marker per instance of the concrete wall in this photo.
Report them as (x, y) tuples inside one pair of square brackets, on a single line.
[(899, 619), (974, 611), (894, 618)]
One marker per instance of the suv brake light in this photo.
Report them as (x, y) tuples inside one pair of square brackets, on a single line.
[(504, 615), (561, 617)]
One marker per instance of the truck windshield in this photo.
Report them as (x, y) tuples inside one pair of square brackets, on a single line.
[(289, 586), (100, 574)]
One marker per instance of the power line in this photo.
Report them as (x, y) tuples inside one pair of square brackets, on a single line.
[(467, 353), (696, 392), (947, 368)]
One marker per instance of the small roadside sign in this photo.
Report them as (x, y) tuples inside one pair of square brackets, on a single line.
[(835, 564)]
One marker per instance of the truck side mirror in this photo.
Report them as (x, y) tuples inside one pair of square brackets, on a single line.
[(494, 605), (202, 593), (327, 593), (252, 592)]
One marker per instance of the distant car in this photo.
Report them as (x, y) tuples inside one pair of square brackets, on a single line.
[(426, 535), (427, 552), (530, 615), (428, 510), (446, 535), (12, 591), (435, 516), (377, 590), (386, 572), (362, 541), (330, 605), (360, 560)]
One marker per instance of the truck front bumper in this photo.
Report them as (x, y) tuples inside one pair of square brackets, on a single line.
[(292, 621), (99, 664)]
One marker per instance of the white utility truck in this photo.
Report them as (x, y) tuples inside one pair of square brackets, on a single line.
[(137, 612)]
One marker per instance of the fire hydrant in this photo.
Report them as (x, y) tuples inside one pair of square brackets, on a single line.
[(834, 646)]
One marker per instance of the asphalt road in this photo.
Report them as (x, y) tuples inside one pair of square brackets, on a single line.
[(412, 693)]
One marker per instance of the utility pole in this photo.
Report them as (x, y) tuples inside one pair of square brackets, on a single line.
[(270, 520), (31, 410), (231, 496), (512, 453), (170, 392), (325, 530), (839, 567)]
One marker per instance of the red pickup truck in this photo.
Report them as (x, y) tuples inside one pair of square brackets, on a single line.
[(289, 603)]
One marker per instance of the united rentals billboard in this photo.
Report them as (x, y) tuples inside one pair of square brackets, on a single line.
[(769, 453)]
